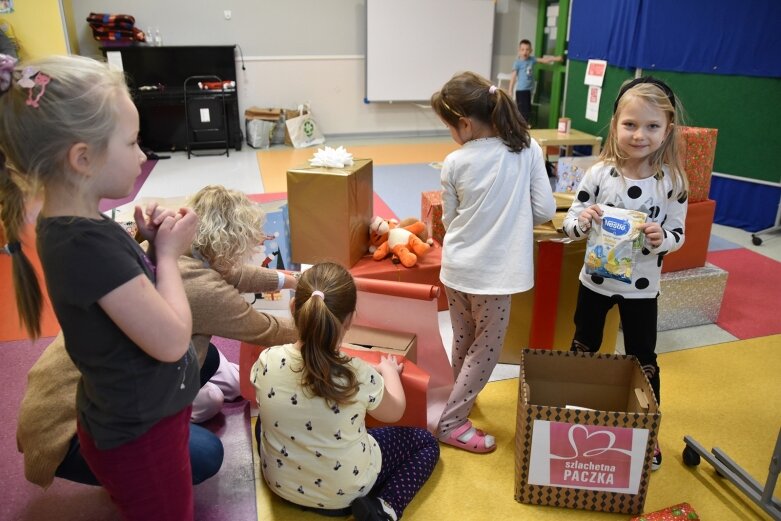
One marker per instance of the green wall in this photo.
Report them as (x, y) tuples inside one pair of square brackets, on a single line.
[(746, 110)]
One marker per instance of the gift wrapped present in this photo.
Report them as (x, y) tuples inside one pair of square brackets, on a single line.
[(699, 221), (330, 210), (542, 318), (691, 297), (698, 150), (679, 512), (431, 214)]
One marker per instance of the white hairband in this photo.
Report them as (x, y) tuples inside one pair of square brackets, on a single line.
[(318, 293), (492, 89)]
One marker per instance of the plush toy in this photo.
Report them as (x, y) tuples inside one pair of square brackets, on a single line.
[(406, 240)]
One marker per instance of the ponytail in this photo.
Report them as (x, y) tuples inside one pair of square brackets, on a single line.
[(469, 95), (508, 122), (27, 289), (325, 298)]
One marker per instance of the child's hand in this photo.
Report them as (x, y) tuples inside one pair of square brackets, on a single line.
[(593, 212), (389, 362), (175, 233), (653, 234), (149, 220)]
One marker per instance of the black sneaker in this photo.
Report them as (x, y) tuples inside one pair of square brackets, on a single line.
[(656, 462), (368, 508)]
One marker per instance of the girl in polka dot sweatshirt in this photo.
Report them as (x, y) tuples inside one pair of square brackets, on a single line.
[(639, 169), (315, 449)]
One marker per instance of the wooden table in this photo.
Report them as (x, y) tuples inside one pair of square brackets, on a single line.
[(550, 137)]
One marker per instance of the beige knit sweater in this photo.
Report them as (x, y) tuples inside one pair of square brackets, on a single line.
[(47, 416)]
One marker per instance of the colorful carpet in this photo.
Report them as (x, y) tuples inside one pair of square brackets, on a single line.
[(749, 307), (230, 495), (702, 387)]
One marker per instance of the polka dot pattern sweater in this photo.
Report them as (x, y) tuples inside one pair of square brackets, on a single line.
[(653, 196), (314, 454)]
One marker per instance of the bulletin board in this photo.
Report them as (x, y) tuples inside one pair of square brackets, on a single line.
[(414, 46), (739, 106)]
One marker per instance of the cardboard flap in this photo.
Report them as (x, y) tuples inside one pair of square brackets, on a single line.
[(363, 337), (642, 399)]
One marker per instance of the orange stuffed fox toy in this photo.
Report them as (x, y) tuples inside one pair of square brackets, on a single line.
[(403, 240)]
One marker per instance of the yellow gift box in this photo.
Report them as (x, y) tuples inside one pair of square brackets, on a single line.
[(542, 318), (330, 210)]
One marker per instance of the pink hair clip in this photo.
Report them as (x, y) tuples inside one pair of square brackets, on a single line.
[(30, 78)]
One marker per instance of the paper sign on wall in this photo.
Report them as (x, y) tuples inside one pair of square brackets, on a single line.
[(593, 96), (590, 457), (595, 72)]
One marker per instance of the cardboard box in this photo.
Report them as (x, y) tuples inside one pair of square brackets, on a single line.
[(679, 512), (697, 151), (595, 457), (330, 210), (691, 297), (364, 338), (431, 214)]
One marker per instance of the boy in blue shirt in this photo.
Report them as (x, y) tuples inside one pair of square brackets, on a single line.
[(522, 79)]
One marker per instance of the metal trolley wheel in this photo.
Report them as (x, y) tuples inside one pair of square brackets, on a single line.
[(725, 467)]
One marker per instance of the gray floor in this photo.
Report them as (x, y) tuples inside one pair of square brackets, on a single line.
[(180, 176)]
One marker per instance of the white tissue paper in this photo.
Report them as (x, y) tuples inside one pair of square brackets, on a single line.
[(332, 157)]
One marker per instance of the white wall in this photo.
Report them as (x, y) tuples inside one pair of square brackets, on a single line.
[(335, 87), (300, 50)]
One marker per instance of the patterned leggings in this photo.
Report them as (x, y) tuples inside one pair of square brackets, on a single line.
[(479, 327), (409, 455)]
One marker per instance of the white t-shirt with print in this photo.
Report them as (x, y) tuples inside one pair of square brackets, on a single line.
[(313, 454)]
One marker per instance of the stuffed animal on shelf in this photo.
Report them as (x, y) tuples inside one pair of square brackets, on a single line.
[(406, 240)]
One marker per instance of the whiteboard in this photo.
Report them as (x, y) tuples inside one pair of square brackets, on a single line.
[(414, 46)]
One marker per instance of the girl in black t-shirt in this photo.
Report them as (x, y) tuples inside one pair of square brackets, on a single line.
[(68, 134)]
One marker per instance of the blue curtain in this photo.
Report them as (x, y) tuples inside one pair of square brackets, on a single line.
[(704, 36), (604, 30), (749, 206)]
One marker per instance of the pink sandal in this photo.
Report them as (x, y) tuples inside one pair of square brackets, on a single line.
[(477, 442)]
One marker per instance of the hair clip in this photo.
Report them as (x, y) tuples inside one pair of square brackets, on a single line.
[(30, 78), (492, 89), (7, 64)]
